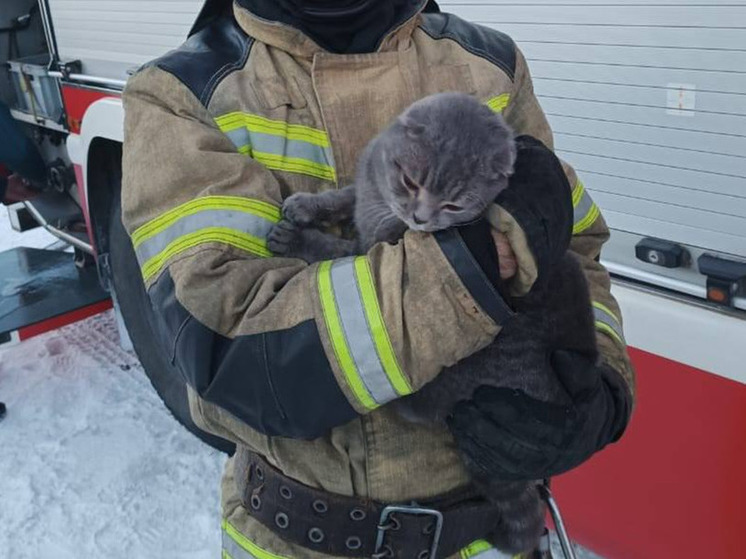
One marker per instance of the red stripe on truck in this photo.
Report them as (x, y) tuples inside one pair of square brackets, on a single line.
[(77, 100), (64, 319), (675, 485)]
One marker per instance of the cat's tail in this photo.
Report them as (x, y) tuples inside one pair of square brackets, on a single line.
[(522, 513)]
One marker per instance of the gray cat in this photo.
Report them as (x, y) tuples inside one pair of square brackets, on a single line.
[(439, 165)]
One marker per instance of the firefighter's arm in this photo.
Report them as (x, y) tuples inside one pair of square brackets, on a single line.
[(284, 347), (590, 231)]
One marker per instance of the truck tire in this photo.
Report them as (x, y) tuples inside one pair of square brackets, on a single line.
[(138, 318)]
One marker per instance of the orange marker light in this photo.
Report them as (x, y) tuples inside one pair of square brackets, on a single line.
[(717, 295)]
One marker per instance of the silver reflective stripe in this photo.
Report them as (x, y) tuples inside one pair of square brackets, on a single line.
[(281, 146), (607, 321), (357, 333), (230, 219), (235, 551)]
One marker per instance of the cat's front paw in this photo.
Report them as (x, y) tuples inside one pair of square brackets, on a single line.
[(301, 209), (284, 238)]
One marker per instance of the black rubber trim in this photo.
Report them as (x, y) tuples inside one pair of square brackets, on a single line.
[(279, 383), (619, 390), (484, 42), (472, 276), (208, 56)]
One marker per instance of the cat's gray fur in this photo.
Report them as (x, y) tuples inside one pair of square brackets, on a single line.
[(458, 152)]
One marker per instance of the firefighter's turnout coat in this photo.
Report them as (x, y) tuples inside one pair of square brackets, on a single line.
[(297, 361)]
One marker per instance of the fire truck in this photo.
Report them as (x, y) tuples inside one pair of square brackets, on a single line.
[(647, 100)]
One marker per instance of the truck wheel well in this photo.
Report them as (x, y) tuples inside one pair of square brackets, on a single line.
[(104, 180)]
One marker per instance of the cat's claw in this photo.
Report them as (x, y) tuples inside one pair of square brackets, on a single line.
[(282, 237), (301, 209)]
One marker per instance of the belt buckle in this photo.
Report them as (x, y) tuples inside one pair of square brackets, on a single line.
[(383, 526)]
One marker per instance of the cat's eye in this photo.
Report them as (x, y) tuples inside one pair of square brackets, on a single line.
[(451, 207), (409, 184)]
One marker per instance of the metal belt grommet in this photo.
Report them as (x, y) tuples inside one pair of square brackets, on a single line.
[(281, 520), (320, 506), (393, 524), (256, 502), (429, 529), (259, 473), (357, 514), (424, 554), (285, 492), (353, 543), (316, 535)]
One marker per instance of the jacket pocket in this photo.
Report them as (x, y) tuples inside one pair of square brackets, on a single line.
[(276, 92)]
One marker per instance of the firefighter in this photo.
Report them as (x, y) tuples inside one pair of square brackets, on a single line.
[(295, 362)]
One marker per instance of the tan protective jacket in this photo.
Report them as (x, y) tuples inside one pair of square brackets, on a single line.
[(293, 360)]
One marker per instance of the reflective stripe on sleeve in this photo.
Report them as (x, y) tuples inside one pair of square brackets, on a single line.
[(357, 332), (238, 546), (607, 322), (585, 210), (240, 222), (277, 145), (499, 102), (482, 549)]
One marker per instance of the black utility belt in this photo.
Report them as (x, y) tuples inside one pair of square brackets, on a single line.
[(352, 527)]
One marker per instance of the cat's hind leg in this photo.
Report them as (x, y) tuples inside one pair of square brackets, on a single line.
[(522, 514)]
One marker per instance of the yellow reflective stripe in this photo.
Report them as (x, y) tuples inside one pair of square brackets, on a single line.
[(237, 203), (606, 309), (609, 330), (585, 209), (587, 221), (293, 148), (378, 329), (293, 164), (338, 338), (256, 123), (247, 545), (498, 103), (226, 555), (577, 194), (237, 239), (608, 322), (482, 549), (477, 547)]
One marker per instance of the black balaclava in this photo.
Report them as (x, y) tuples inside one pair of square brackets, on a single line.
[(340, 26)]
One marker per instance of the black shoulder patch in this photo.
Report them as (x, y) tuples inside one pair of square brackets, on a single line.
[(481, 41), (208, 56)]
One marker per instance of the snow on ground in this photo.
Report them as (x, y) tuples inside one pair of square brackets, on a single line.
[(92, 464)]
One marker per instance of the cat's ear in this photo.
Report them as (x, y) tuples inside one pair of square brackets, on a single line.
[(413, 128)]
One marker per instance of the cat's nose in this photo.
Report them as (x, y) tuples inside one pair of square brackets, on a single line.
[(417, 219)]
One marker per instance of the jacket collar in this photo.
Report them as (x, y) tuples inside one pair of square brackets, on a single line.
[(296, 43)]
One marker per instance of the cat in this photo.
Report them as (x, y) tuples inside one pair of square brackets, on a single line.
[(441, 164)]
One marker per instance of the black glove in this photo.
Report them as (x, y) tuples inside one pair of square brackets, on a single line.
[(506, 435), (539, 197)]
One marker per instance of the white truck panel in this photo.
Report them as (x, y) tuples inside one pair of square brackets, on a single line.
[(647, 102), (113, 37)]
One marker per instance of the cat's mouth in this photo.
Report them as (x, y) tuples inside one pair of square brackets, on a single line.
[(426, 227)]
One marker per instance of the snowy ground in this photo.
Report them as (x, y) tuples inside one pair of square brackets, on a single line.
[(91, 463)]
